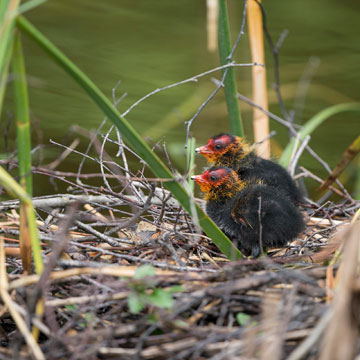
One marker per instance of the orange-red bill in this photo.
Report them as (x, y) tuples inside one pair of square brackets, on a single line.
[(204, 150)]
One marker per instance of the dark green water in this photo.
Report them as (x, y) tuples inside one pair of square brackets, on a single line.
[(149, 44)]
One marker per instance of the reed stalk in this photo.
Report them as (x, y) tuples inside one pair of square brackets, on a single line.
[(8, 11), (346, 158), (4, 78), (22, 116), (23, 145), (224, 43), (313, 123), (259, 85), (7, 21)]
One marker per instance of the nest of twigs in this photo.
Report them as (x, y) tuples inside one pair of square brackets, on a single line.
[(188, 301)]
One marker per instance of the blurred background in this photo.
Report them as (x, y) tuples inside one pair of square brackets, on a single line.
[(138, 46)]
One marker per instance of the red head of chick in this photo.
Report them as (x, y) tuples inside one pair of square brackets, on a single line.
[(234, 152), (234, 205)]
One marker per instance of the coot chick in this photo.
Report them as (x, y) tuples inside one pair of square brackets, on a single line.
[(234, 152), (234, 204)]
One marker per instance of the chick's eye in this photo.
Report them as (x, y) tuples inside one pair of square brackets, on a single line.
[(212, 177), (218, 146)]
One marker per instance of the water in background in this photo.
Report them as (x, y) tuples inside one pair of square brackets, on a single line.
[(149, 44)]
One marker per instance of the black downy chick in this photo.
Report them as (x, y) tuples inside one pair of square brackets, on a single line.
[(234, 205), (234, 152)]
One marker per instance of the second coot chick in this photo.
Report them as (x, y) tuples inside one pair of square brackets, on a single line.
[(233, 204), (234, 152)]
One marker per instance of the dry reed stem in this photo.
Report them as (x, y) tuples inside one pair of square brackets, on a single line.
[(212, 24), (346, 158), (340, 339), (197, 316), (312, 338), (256, 37), (271, 347), (87, 298), (118, 271), (329, 284), (25, 241), (324, 222), (152, 352), (11, 251), (33, 347)]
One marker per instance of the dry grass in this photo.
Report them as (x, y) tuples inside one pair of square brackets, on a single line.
[(270, 308), (292, 304)]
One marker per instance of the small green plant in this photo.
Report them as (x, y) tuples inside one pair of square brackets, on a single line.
[(71, 307), (86, 320), (244, 319), (144, 291)]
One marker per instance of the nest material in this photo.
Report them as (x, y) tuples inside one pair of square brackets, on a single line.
[(202, 306), (263, 308)]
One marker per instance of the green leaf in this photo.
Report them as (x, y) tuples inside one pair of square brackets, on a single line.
[(161, 298), (8, 10), (144, 270), (29, 5), (22, 115), (312, 124), (153, 318), (4, 76), (88, 317), (232, 102), (136, 303), (243, 319), (181, 324), (175, 289)]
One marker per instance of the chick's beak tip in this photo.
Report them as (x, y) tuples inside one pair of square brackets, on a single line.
[(197, 178), (203, 150)]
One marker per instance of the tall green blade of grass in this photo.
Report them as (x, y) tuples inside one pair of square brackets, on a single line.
[(22, 116), (3, 78), (8, 10), (131, 136), (7, 22), (313, 123), (232, 103), (29, 5), (23, 146)]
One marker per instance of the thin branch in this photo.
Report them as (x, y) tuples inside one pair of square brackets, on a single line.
[(294, 162), (191, 79), (275, 52)]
